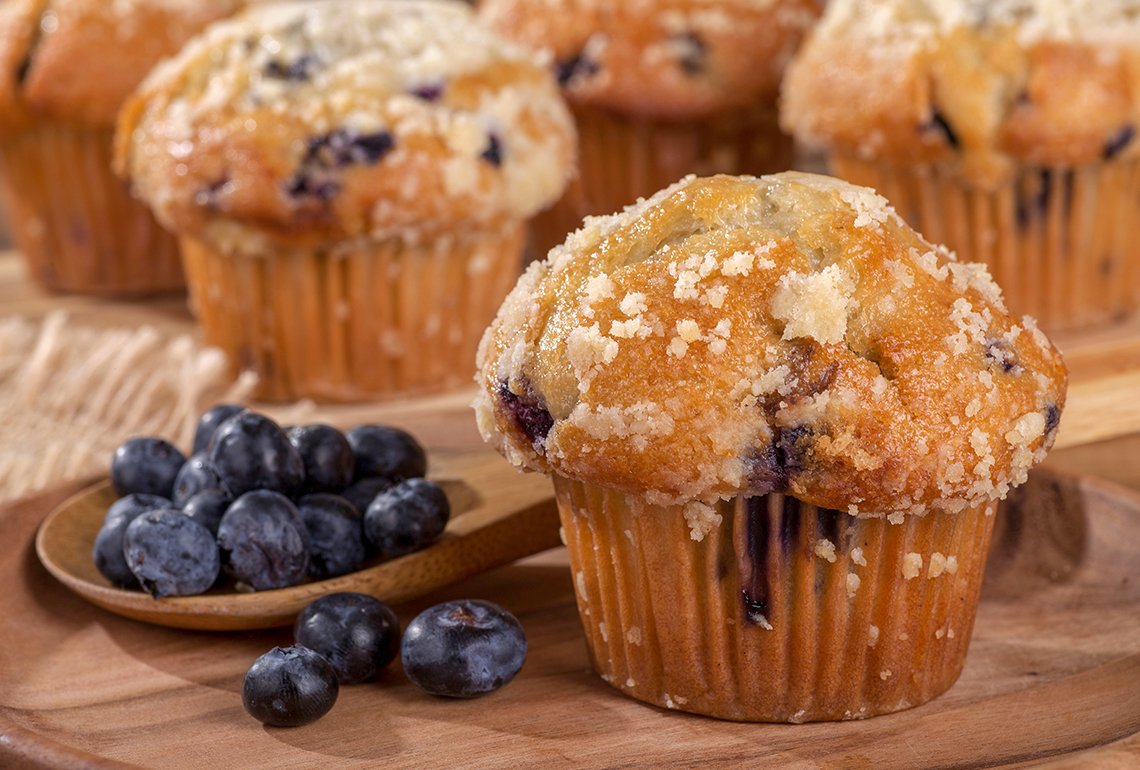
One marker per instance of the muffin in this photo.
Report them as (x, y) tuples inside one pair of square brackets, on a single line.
[(65, 69), (778, 422), (350, 187), (660, 90), (1006, 130)]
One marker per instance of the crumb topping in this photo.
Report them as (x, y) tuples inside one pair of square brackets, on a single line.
[(346, 119), (971, 84), (663, 59), (792, 378)]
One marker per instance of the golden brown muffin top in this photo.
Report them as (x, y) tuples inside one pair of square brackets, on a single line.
[(660, 58), (79, 59), (310, 124), (978, 83), (739, 336)]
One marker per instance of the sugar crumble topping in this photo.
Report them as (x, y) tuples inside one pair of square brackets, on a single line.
[(727, 336)]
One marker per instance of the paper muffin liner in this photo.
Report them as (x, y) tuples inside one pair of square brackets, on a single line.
[(1062, 242), (622, 158), (75, 222), (782, 612), (367, 321)]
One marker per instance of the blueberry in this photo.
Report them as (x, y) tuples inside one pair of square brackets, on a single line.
[(263, 540), (941, 126), (326, 455), (108, 549), (362, 493), (209, 422), (1119, 141), (195, 475), (574, 69), (357, 634), (692, 53), (528, 413), (336, 535), (300, 69), (327, 153), (171, 554), (406, 517), (145, 464), (250, 451), (493, 153), (289, 687), (463, 648), (380, 450), (429, 92), (208, 507)]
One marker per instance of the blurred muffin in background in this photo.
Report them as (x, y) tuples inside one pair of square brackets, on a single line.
[(1006, 130), (350, 180), (660, 90), (66, 67)]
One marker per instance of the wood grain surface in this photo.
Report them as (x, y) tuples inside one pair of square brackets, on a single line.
[(1053, 674)]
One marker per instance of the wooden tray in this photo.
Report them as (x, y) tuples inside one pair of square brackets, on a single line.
[(1053, 675)]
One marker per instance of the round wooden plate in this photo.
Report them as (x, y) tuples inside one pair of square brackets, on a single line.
[(497, 517), (1052, 677)]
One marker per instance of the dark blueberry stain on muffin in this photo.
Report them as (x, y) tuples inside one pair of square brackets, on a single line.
[(692, 53), (940, 124), (1052, 418), (22, 69), (528, 413), (789, 523), (828, 524), (1117, 143), (575, 69), (209, 197), (429, 92), (1000, 354), (771, 467), (330, 152), (493, 154), (299, 69), (1037, 193), (755, 591)]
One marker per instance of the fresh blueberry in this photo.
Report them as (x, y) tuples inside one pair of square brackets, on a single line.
[(493, 153), (171, 554), (357, 634), (208, 507), (146, 464), (108, 549), (289, 687), (463, 648), (362, 493), (263, 540), (196, 475), (336, 535), (209, 422), (250, 451), (381, 450), (406, 517), (326, 455)]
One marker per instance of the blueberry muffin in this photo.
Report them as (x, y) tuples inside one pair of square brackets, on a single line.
[(778, 422), (1006, 130), (60, 89), (350, 187), (660, 90)]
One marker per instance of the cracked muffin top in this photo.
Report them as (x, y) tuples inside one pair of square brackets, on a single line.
[(309, 124), (788, 333), (79, 59), (660, 58), (984, 83)]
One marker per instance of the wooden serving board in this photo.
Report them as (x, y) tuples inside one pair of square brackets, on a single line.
[(1053, 675)]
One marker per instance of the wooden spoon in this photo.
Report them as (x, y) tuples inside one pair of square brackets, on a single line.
[(498, 515)]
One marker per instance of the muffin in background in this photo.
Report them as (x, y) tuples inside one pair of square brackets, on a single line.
[(65, 69), (350, 186), (660, 90), (778, 422), (1006, 130)]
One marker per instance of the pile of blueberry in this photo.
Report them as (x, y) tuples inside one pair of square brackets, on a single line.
[(270, 507), (458, 649)]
